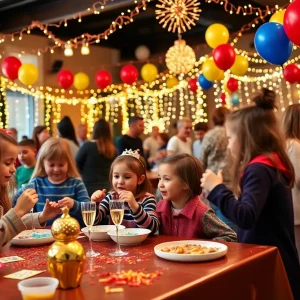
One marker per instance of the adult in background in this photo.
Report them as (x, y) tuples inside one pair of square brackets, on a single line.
[(215, 156), (82, 134), (94, 158), (40, 135), (132, 140), (291, 129), (200, 130), (151, 144), (181, 143), (66, 130)]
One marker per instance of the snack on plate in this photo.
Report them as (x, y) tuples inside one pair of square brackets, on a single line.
[(190, 249), (35, 235)]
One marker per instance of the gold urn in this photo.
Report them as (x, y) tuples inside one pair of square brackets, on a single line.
[(66, 257)]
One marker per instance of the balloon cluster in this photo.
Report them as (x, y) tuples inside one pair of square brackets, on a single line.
[(13, 69), (274, 40)]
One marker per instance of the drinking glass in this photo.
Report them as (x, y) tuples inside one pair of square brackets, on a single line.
[(88, 210), (116, 208), (30, 186)]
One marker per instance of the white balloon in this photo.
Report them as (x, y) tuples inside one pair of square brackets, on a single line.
[(142, 52)]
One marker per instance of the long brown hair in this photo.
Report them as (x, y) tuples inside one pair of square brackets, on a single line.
[(55, 149), (258, 133), (291, 122), (103, 138), (188, 169), (6, 190), (137, 166), (36, 131)]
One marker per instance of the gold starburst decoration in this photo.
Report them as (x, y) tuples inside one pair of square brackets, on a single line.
[(178, 15), (180, 58)]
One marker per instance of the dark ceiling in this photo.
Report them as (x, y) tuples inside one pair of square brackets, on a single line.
[(15, 14)]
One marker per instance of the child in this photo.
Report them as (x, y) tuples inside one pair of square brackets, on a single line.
[(263, 175), (129, 182), (181, 213), (15, 220), (27, 154), (200, 130), (56, 178)]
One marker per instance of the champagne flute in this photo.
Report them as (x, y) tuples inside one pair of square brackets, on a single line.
[(88, 210), (30, 186), (116, 208)]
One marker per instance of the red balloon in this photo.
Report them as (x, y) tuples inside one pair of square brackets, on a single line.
[(10, 67), (224, 56), (232, 85), (65, 78), (223, 98), (291, 73), (103, 79), (129, 74), (291, 22), (193, 85)]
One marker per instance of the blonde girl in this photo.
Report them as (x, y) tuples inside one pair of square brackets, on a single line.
[(14, 220), (56, 178), (181, 213), (130, 184)]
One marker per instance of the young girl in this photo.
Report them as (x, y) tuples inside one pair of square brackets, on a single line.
[(181, 213), (56, 178), (263, 175), (130, 184), (15, 220)]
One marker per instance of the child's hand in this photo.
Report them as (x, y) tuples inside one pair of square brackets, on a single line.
[(128, 197), (98, 196), (50, 211), (210, 180), (68, 202), (26, 202)]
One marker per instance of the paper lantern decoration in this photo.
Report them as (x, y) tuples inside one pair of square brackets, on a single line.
[(65, 79), (28, 74), (149, 72), (180, 58), (129, 74), (10, 67), (81, 81), (103, 79)]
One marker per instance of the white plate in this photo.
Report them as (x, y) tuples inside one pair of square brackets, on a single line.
[(130, 236), (27, 238), (99, 233), (190, 257)]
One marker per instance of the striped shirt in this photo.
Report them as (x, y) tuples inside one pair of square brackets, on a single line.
[(72, 187), (144, 217)]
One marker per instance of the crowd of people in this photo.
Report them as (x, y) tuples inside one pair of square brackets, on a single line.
[(238, 181)]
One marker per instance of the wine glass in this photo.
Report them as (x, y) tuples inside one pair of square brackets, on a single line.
[(116, 208), (88, 210), (30, 186)]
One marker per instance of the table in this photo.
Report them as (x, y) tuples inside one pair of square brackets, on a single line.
[(247, 272)]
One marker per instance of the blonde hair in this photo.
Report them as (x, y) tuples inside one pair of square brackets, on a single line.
[(55, 149), (137, 166), (6, 190), (291, 122)]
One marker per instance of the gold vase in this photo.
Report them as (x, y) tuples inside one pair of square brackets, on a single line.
[(66, 257)]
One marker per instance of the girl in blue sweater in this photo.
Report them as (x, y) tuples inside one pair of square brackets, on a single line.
[(56, 178), (262, 179)]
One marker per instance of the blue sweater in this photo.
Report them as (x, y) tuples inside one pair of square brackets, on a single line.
[(71, 187), (264, 214)]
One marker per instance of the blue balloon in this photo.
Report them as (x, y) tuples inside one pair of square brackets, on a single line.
[(235, 99), (272, 43), (204, 83)]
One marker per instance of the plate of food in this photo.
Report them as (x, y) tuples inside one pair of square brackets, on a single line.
[(190, 251), (33, 238), (99, 232), (130, 236)]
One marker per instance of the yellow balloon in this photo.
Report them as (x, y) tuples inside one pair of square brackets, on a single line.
[(240, 66), (216, 34), (210, 71), (81, 81), (171, 82), (149, 72), (28, 74), (278, 17), (221, 76)]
